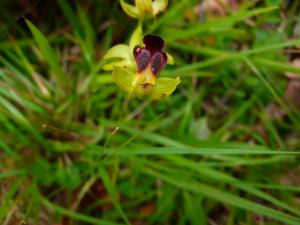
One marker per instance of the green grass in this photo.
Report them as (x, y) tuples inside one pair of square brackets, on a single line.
[(75, 150)]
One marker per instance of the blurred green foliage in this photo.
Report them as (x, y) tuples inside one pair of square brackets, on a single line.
[(223, 149)]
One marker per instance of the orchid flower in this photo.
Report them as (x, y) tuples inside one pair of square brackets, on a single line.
[(138, 66), (144, 9)]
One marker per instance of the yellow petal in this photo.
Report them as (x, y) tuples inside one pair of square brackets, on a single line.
[(145, 8), (159, 6), (119, 55), (121, 63), (130, 10), (123, 78), (143, 83), (118, 51), (164, 87), (170, 59)]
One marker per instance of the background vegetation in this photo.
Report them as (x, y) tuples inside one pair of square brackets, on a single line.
[(221, 150)]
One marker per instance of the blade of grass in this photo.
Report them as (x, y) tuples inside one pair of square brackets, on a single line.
[(223, 56), (271, 89), (113, 193), (27, 104), (29, 68), (11, 173), (167, 141), (8, 200), (223, 177), (169, 16), (76, 215), (225, 197), (19, 80), (227, 21), (193, 210), (82, 29), (277, 187), (145, 150), (236, 114), (58, 73), (15, 114)]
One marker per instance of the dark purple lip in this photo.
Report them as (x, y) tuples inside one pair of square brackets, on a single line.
[(152, 54)]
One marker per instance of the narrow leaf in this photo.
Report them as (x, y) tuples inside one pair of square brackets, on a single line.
[(48, 54)]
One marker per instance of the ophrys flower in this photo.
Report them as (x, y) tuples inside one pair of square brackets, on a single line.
[(138, 70)]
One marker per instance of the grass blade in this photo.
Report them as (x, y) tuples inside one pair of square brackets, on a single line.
[(225, 197), (113, 193), (49, 55)]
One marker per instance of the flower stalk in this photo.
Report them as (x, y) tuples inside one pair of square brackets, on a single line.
[(136, 67)]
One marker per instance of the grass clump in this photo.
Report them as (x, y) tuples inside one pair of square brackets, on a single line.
[(222, 149)]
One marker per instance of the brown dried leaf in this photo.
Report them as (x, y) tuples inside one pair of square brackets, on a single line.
[(292, 93), (295, 63), (215, 8), (147, 210), (274, 111)]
